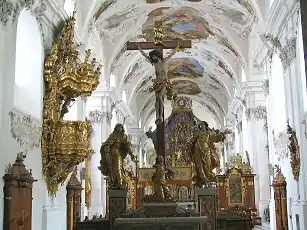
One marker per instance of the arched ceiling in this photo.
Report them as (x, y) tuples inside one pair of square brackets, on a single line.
[(207, 73)]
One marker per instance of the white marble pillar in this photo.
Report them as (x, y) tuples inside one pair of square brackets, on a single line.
[(105, 132), (260, 148), (50, 213), (96, 204)]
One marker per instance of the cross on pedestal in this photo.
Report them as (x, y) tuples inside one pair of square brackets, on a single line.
[(159, 45), (303, 4)]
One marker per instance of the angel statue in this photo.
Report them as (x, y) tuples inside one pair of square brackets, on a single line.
[(113, 153), (203, 153), (159, 182)]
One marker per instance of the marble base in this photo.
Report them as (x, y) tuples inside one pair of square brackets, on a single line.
[(160, 209), (207, 206), (117, 204), (174, 223)]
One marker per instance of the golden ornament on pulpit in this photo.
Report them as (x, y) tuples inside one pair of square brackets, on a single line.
[(65, 144)]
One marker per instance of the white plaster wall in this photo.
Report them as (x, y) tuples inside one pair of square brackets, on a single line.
[(28, 65)]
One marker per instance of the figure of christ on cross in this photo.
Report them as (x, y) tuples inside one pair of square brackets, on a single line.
[(161, 85)]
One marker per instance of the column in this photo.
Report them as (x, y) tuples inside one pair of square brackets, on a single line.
[(95, 115), (258, 145), (105, 132)]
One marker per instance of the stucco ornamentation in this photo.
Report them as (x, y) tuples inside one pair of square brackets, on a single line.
[(26, 130)]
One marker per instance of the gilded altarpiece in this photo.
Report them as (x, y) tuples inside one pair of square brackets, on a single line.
[(179, 128), (236, 189), (18, 183)]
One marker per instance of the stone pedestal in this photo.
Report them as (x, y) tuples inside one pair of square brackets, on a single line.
[(160, 209), (207, 205), (117, 204)]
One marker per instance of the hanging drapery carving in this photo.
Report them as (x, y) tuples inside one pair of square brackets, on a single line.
[(65, 144), (294, 150), (25, 130)]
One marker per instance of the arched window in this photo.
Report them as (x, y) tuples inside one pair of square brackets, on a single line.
[(112, 80), (140, 123), (277, 92), (243, 75), (300, 51), (113, 120), (28, 90), (69, 6), (124, 96)]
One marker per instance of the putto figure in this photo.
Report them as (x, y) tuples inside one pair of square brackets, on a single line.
[(203, 153), (113, 153), (161, 85)]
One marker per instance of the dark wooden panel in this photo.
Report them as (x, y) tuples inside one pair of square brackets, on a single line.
[(17, 189)]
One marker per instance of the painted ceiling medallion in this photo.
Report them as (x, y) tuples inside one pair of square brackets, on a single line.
[(186, 87), (183, 22), (185, 67)]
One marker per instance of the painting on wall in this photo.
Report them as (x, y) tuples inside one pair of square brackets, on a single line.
[(246, 4), (103, 7), (131, 73), (183, 22), (185, 67), (186, 87), (117, 19), (225, 68), (141, 87), (145, 106)]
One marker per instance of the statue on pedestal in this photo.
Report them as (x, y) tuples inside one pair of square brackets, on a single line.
[(113, 153), (159, 181), (203, 153)]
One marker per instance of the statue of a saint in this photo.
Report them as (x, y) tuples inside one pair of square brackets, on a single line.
[(159, 182), (203, 153), (161, 85), (113, 153)]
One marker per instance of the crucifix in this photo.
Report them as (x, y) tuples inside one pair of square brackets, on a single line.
[(161, 85)]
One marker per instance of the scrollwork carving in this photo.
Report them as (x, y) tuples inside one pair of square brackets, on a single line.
[(288, 53), (260, 112), (295, 160), (266, 87), (6, 11), (281, 142), (95, 116), (25, 129)]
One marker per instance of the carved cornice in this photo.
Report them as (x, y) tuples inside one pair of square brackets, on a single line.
[(25, 129)]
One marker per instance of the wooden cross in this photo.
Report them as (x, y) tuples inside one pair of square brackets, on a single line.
[(303, 5), (159, 44)]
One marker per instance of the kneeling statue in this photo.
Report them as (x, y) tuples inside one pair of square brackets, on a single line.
[(159, 182)]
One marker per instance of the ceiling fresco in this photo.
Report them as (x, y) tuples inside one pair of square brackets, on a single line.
[(103, 7), (186, 87), (185, 67), (183, 23), (208, 71)]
